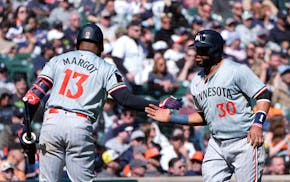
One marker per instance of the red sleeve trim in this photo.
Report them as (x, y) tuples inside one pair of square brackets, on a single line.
[(46, 78), (117, 88), (260, 92)]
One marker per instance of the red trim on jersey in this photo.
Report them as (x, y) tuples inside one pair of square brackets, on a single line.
[(117, 88), (260, 92), (256, 165), (46, 78)]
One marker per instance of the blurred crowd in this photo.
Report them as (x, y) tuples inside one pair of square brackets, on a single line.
[(147, 40)]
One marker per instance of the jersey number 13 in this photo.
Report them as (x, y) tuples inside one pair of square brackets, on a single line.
[(66, 83)]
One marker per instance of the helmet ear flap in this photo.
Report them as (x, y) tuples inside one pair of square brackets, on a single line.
[(216, 52)]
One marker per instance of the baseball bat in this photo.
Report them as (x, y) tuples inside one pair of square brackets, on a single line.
[(28, 138), (27, 119)]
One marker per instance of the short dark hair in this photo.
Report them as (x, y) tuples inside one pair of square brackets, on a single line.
[(19, 76), (173, 161), (134, 23)]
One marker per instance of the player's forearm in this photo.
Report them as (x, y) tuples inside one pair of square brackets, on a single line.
[(194, 119), (127, 99), (262, 105)]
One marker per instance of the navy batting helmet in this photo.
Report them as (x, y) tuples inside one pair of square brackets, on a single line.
[(91, 33), (212, 40)]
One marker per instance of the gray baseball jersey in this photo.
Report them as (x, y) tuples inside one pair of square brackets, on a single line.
[(81, 81), (225, 99)]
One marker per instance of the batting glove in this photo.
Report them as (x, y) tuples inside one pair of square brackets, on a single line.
[(171, 103)]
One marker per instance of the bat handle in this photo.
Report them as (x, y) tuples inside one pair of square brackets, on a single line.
[(27, 117)]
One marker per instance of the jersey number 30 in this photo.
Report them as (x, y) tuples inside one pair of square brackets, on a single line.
[(227, 108), (67, 82)]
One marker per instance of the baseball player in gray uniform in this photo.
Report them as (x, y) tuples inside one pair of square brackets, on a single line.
[(79, 82), (222, 92)]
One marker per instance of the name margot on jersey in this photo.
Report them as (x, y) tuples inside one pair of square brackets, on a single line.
[(82, 63), (214, 91)]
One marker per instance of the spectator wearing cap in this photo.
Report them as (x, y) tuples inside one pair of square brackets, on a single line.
[(128, 55), (230, 26), (159, 46), (138, 153), (138, 168), (7, 172), (152, 155), (107, 26), (176, 167), (137, 138), (247, 30), (112, 166), (147, 18), (281, 95), (56, 36), (196, 164), (262, 40), (71, 32), (136, 149), (216, 25), (233, 48), (196, 25), (175, 52), (280, 33), (121, 136), (47, 52)]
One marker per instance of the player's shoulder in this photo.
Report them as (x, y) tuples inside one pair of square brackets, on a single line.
[(232, 65), (65, 54), (123, 39)]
